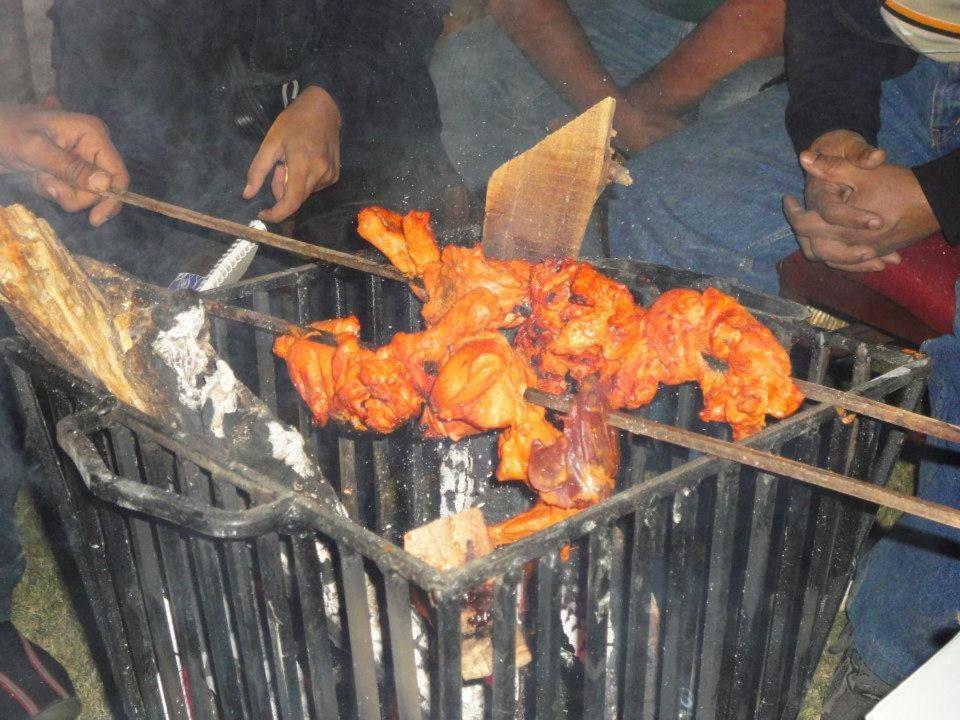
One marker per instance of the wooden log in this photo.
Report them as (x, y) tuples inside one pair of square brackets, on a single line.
[(55, 306), (447, 544)]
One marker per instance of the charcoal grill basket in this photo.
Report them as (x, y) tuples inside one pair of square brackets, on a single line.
[(701, 589)]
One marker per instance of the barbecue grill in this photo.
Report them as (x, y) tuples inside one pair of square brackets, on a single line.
[(701, 589)]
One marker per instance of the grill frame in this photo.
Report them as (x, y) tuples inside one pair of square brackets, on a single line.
[(622, 539)]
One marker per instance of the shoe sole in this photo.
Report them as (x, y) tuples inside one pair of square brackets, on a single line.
[(66, 709)]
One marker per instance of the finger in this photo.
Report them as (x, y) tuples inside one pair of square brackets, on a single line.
[(834, 251), (792, 208), (892, 258), (294, 193), (868, 157), (875, 265), (67, 197), (267, 156), (848, 216), (832, 168), (42, 153), (279, 181)]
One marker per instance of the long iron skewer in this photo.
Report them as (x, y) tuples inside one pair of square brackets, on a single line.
[(847, 401), (737, 452), (263, 237)]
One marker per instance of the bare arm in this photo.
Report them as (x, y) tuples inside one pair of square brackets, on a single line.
[(737, 32), (549, 34)]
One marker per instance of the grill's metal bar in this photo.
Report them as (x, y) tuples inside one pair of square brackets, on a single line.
[(723, 542), (275, 593), (826, 527), (266, 365), (768, 462), (642, 662), (751, 619), (246, 618), (399, 614), (547, 650), (597, 613), (212, 599), (787, 592), (676, 648), (82, 525), (320, 669), (262, 237), (359, 616), (618, 611), (505, 647), (160, 466), (147, 567), (448, 677)]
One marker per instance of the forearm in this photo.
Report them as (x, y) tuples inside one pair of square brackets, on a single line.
[(736, 33), (550, 36)]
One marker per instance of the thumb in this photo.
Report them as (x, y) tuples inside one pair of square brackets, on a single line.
[(867, 157), (72, 169), (825, 167)]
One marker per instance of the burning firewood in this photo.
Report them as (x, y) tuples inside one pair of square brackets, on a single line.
[(449, 543), (56, 306), (148, 347)]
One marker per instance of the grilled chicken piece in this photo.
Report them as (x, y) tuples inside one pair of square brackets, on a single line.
[(409, 244), (579, 470), (367, 389), (680, 331), (481, 388), (581, 323), (535, 519)]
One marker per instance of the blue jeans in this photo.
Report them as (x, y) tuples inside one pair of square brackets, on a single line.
[(709, 197), (906, 598), (494, 103)]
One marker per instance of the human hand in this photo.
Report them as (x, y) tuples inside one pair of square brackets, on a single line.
[(638, 128), (834, 229), (892, 192), (302, 148), (68, 157)]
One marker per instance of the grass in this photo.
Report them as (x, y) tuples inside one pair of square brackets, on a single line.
[(42, 611)]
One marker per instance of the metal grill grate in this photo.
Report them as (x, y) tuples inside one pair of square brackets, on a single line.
[(701, 589)]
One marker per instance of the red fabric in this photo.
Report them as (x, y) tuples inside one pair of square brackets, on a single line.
[(923, 284)]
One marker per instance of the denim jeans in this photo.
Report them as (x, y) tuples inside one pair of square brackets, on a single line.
[(709, 197), (493, 102), (906, 599)]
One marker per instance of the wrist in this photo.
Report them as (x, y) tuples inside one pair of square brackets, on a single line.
[(317, 100)]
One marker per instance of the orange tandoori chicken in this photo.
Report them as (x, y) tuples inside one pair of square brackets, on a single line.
[(460, 376)]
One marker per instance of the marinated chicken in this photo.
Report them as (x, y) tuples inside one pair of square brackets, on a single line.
[(575, 326)]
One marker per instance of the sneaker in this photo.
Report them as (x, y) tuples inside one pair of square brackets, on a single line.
[(33, 685), (854, 689)]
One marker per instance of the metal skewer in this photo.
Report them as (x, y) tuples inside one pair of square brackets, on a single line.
[(840, 399), (762, 460), (263, 237), (736, 452)]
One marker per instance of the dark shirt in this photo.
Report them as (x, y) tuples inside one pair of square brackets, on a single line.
[(837, 54), (166, 70)]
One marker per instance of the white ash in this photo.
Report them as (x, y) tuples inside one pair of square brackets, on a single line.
[(179, 348), (220, 389), (288, 447), (458, 482)]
